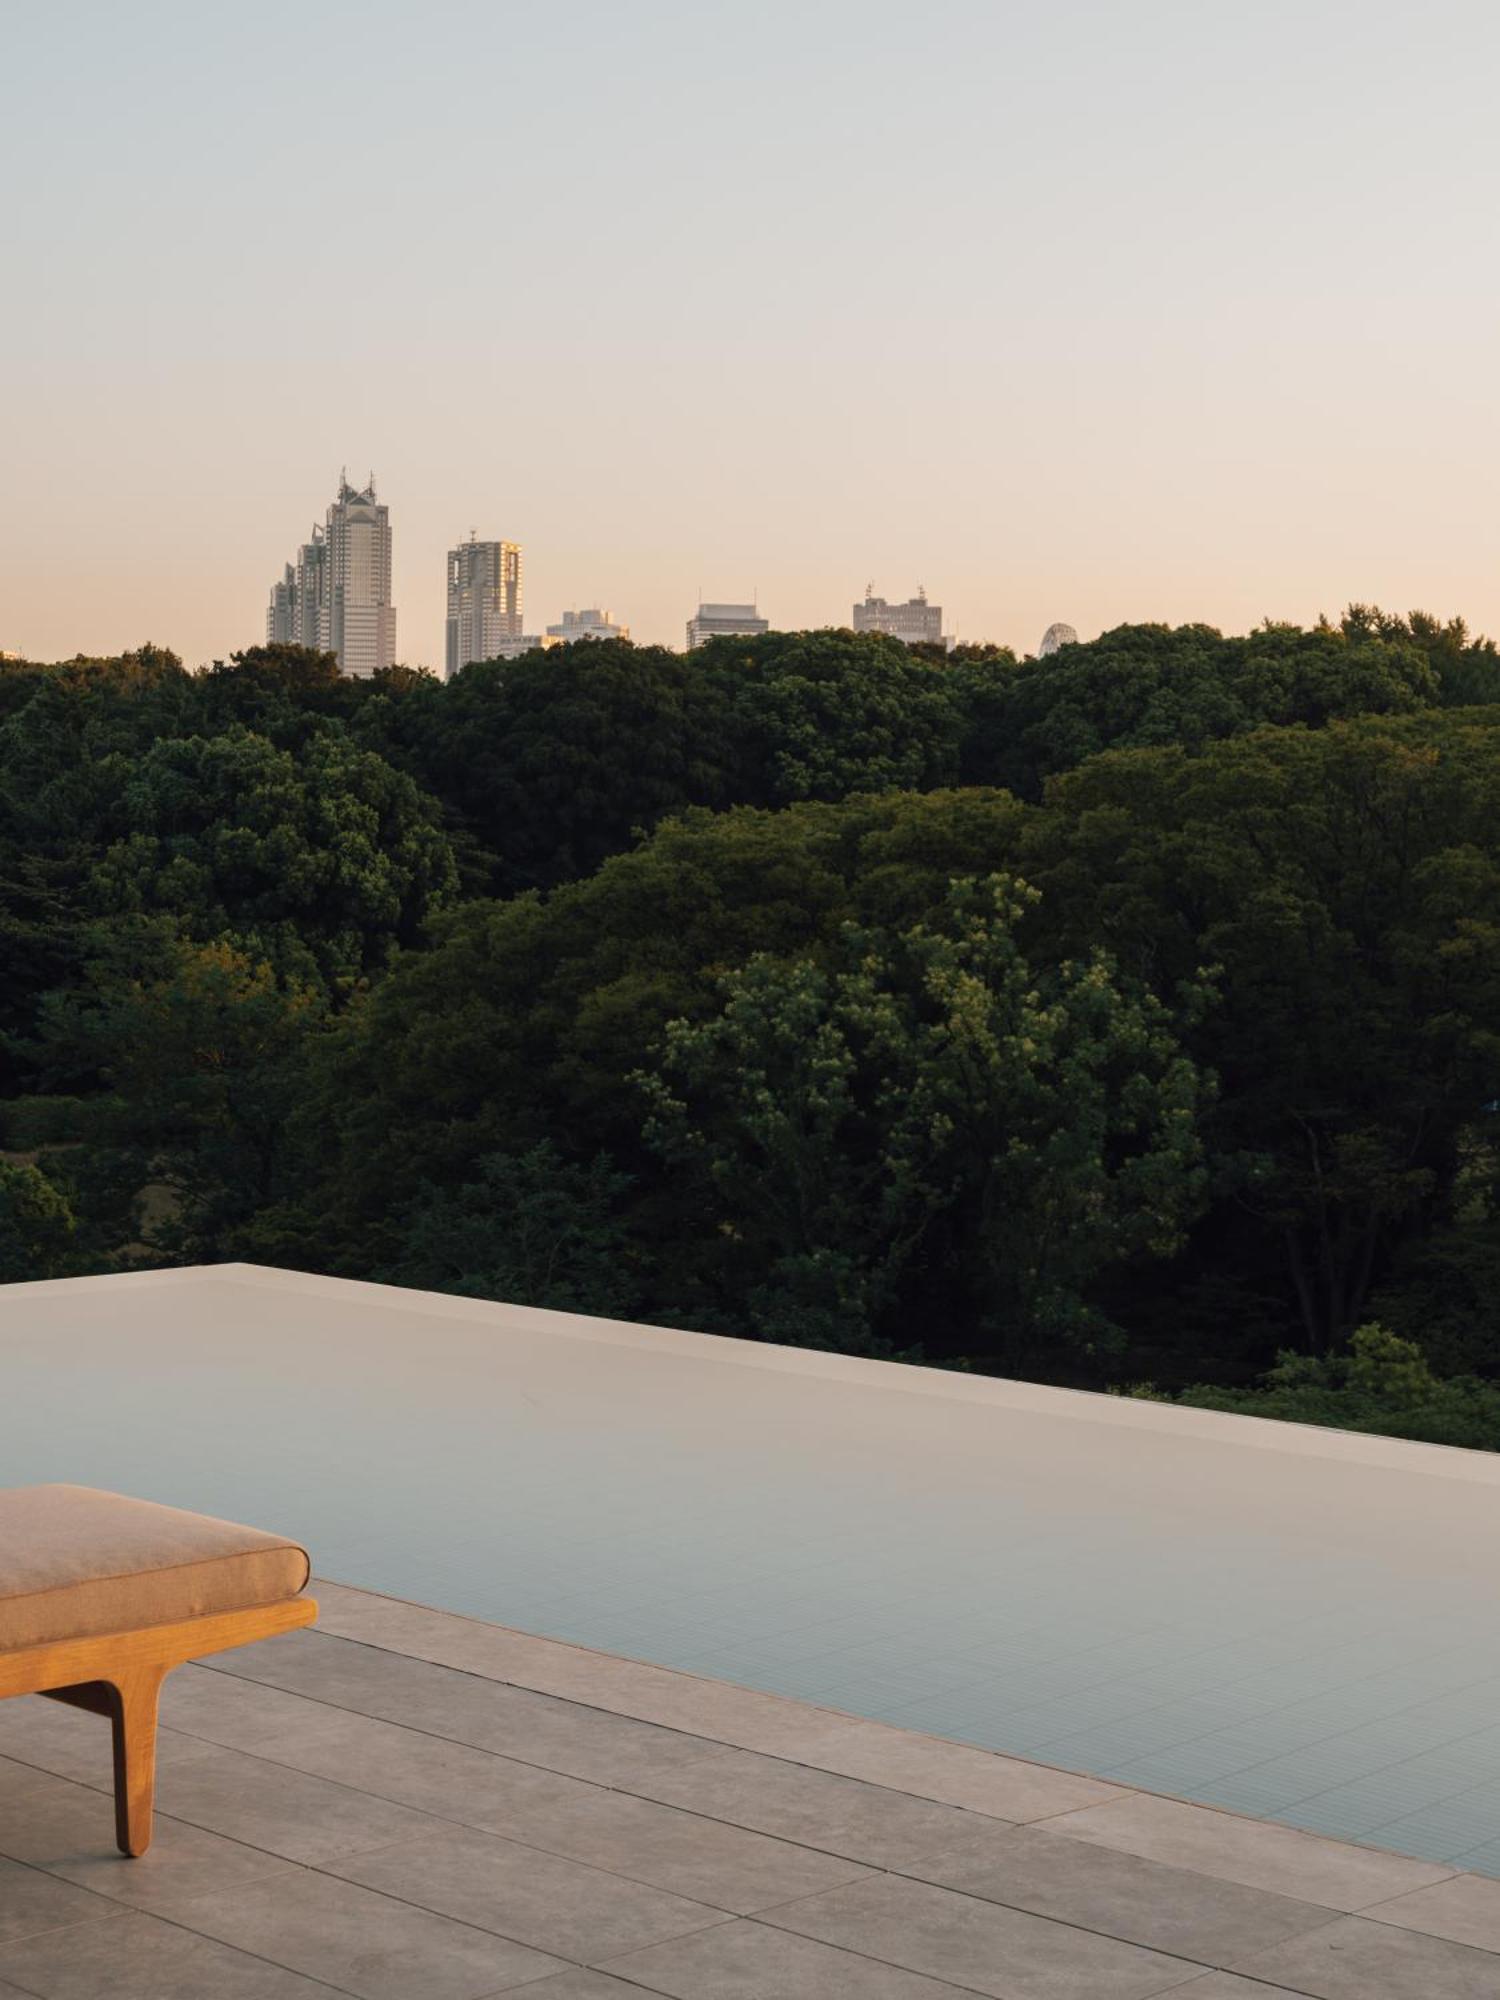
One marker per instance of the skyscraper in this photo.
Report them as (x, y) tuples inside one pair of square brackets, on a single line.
[(311, 617), (916, 622), (361, 617), (281, 612), (295, 615), (484, 600), (724, 621), (338, 593)]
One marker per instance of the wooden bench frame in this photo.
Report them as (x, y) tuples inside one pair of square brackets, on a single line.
[(119, 1674)]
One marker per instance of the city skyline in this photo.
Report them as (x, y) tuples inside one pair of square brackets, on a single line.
[(1144, 375), (485, 600), (335, 596), (293, 611)]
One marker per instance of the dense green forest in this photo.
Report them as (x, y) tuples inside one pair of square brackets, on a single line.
[(1128, 1018)]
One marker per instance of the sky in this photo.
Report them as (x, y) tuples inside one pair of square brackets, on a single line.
[(1097, 310)]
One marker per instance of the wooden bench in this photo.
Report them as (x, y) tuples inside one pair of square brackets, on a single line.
[(101, 1596)]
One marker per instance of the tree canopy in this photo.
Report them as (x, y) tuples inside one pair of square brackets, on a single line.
[(1125, 1017)]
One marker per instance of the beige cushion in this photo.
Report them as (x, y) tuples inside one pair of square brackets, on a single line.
[(75, 1562)]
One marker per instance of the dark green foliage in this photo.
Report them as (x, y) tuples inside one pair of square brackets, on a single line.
[(1442, 1288), (39, 947), (279, 692), (102, 1187), (1443, 1291), (1146, 685), (925, 1115), (1346, 883), (36, 1224), (547, 1006), (1467, 670), (198, 1053), (1382, 1384), (552, 762), (320, 859), (820, 715), (530, 1227), (683, 988)]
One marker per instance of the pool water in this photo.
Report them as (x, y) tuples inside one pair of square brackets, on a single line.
[(1290, 1623)]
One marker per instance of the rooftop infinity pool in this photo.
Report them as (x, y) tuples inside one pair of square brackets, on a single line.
[(1293, 1623)]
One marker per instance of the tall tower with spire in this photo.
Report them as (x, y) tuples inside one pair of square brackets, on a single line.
[(361, 619), (338, 594)]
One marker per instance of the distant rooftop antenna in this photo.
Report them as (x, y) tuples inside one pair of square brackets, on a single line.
[(869, 590)]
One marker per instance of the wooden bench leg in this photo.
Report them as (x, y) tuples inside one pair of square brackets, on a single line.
[(133, 1702), (119, 1674)]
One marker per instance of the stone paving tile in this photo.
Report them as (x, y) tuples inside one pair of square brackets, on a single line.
[(285, 1811), (1278, 1858), (480, 1805), (69, 1831), (733, 1868), (516, 1722), (716, 1710), (396, 1625), (1009, 1954), (1355, 1959), (16, 1777), (954, 1773), (543, 1900), (1120, 1895), (33, 1901), (576, 1986), (1229, 1986), (240, 1714), (142, 1958), (727, 1866), (868, 1823), (929, 1768), (70, 1743), (1465, 1908), (747, 1961), (428, 1773), (361, 1942)]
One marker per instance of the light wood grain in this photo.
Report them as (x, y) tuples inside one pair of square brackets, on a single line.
[(119, 1674)]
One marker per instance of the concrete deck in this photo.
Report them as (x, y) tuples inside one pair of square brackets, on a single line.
[(410, 1805)]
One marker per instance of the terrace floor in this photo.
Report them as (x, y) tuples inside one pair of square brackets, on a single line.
[(409, 1805)]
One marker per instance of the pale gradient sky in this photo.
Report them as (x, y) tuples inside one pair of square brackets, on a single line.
[(1149, 309)]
